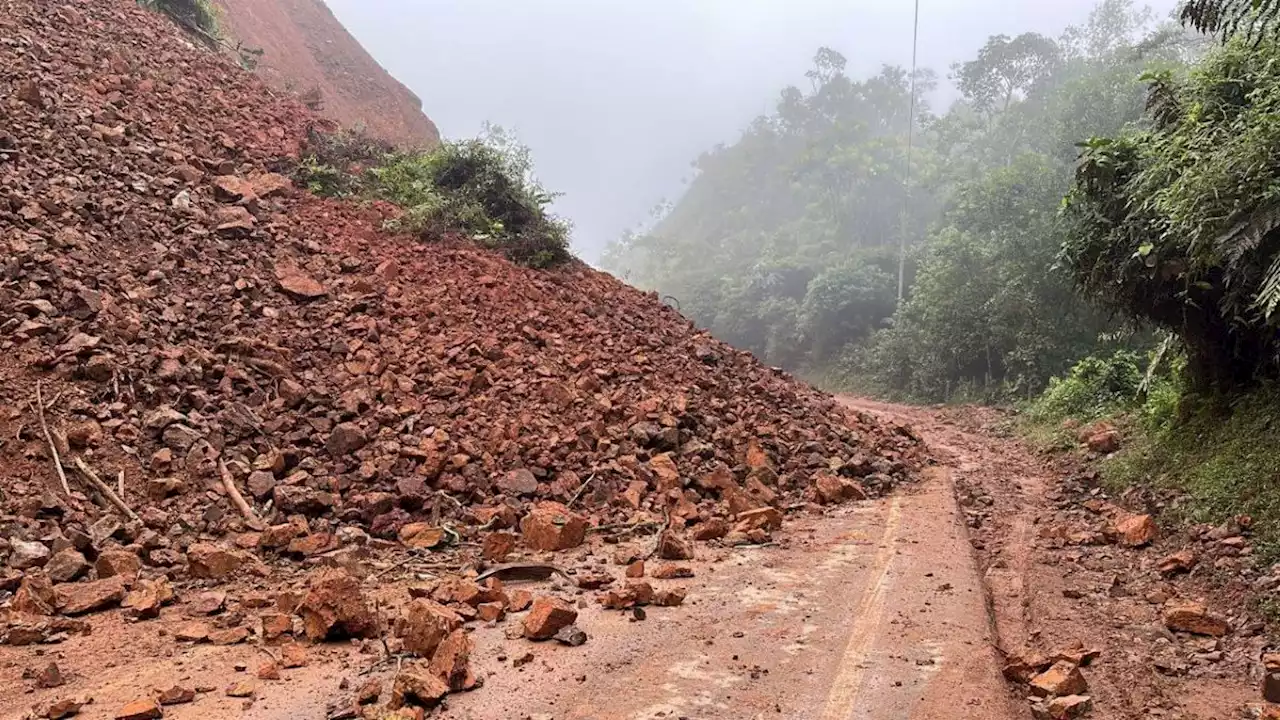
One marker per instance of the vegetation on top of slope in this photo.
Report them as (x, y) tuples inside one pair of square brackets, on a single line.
[(197, 16), (483, 188), (1178, 224)]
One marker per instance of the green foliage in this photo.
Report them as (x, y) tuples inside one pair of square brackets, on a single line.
[(786, 241), (1250, 19), (482, 188), (1177, 224), (198, 16), (1223, 459), (1094, 388)]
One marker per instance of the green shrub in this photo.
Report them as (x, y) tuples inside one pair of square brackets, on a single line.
[(479, 188), (199, 16), (482, 188), (1095, 387)]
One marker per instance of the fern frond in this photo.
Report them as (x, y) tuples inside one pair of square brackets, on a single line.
[(1247, 235), (1254, 19), (1269, 294)]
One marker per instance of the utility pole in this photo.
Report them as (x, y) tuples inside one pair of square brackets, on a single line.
[(906, 185)]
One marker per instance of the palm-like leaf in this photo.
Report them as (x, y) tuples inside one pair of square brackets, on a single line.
[(1254, 19)]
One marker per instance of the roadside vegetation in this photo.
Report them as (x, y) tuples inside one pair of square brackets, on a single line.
[(1093, 234), (482, 188)]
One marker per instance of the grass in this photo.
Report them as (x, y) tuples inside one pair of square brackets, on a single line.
[(1224, 461)]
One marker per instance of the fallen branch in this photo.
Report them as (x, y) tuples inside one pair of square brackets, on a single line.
[(578, 495), (106, 490), (48, 437), (250, 517), (619, 527), (120, 484)]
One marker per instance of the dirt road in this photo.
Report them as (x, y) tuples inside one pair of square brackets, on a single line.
[(873, 613)]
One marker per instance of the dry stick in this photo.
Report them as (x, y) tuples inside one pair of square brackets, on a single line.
[(251, 518), (48, 436), (578, 495), (106, 490), (120, 484)]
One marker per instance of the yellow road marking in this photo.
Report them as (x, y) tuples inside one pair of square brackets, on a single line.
[(848, 679)]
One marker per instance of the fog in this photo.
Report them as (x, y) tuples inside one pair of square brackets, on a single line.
[(615, 99)]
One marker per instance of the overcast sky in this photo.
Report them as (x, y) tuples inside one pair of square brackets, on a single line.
[(616, 98)]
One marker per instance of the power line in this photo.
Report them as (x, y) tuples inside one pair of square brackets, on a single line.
[(906, 185)]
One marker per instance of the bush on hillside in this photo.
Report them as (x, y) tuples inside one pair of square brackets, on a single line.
[(1095, 387), (483, 188), (196, 15)]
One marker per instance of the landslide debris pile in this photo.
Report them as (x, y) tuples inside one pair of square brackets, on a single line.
[(232, 358)]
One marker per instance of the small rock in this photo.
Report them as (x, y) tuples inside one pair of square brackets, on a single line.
[(419, 686), (671, 571), (1135, 530), (241, 689), (66, 565), (26, 554), (345, 439), (1062, 678), (177, 695), (50, 677), (552, 526), (1178, 562), (145, 709), (547, 617), (84, 597), (497, 546), (451, 661), (111, 563), (1193, 617), (673, 545), (424, 624), (571, 635), (268, 670), (335, 606)]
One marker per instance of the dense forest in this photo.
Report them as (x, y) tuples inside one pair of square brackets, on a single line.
[(787, 241)]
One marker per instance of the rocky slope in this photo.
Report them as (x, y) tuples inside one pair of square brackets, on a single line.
[(307, 51), (209, 377)]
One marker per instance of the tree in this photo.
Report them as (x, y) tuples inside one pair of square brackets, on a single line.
[(1006, 69), (1254, 19)]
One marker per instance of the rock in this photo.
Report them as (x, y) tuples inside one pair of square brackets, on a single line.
[(345, 439), (195, 632), (1193, 617), (519, 601), (712, 529), (115, 562), (1062, 678), (233, 220), (50, 677), (205, 560), (84, 597), (1068, 707), (229, 636), (636, 569), (765, 518), (673, 545), (369, 692), (177, 695), (26, 554), (66, 565), (497, 546), (336, 607), (1135, 530), (572, 635), (241, 689), (268, 670), (417, 685), (672, 597), (145, 709), (299, 284), (421, 535), (293, 655), (1105, 442), (65, 708), (831, 489), (261, 483), (552, 526), (147, 597), (664, 469), (275, 625), (424, 624), (671, 571), (1178, 562), (451, 661), (518, 482), (301, 500), (547, 617), (491, 611)]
